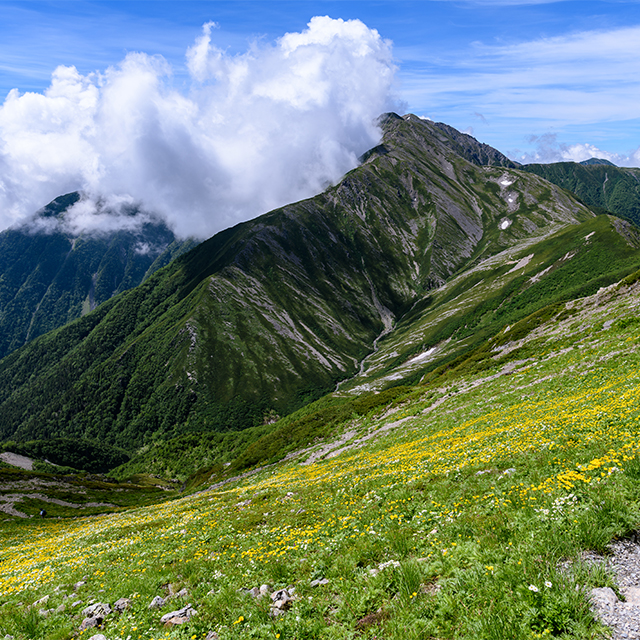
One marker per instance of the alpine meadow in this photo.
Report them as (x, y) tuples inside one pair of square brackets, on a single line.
[(405, 408)]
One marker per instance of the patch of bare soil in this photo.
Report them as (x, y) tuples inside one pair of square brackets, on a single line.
[(16, 460)]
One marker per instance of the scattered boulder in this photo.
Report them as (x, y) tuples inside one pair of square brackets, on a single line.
[(89, 623), (178, 617), (212, 635), (99, 609), (79, 584), (183, 593), (604, 596), (122, 605), (258, 592), (317, 583), (98, 636), (95, 615), (281, 600), (41, 601), (156, 603)]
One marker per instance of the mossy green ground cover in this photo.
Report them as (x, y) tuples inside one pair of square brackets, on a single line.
[(479, 488)]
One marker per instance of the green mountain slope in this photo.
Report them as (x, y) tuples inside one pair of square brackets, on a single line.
[(476, 506), (49, 278), (274, 312), (603, 185)]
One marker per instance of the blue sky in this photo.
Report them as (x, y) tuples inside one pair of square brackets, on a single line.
[(517, 75), (210, 113)]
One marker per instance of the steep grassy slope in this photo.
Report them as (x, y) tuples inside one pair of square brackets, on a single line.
[(461, 510), (268, 315), (497, 292), (48, 278), (615, 189)]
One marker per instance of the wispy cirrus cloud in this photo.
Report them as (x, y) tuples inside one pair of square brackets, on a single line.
[(586, 80), (582, 77)]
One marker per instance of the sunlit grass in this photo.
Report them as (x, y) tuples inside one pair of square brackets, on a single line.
[(451, 525)]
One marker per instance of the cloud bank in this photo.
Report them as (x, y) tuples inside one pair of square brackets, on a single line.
[(549, 149), (252, 131)]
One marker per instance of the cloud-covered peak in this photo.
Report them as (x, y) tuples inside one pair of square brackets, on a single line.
[(252, 132)]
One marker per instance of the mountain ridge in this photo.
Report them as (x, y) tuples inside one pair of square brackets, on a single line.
[(50, 275), (274, 312)]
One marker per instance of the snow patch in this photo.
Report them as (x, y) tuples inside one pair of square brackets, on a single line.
[(505, 224), (421, 356)]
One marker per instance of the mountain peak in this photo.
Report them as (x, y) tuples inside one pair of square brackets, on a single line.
[(592, 161)]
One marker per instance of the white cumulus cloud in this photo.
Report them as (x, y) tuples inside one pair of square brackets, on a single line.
[(252, 131), (549, 149)]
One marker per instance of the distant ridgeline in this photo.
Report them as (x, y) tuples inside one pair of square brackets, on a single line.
[(69, 455), (49, 276), (430, 247), (597, 183)]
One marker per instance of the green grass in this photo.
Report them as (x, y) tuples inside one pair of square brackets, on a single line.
[(466, 520)]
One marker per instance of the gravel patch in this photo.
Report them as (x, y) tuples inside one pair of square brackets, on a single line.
[(17, 460), (621, 616)]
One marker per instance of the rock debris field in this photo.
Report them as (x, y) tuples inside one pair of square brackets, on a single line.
[(622, 616)]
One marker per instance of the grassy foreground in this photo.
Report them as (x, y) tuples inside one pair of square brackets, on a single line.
[(452, 520)]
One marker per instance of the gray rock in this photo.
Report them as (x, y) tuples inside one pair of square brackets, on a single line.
[(97, 610), (212, 635), (61, 608), (632, 595), (79, 584), (90, 623), (41, 601), (183, 593), (265, 589), (76, 603), (121, 605), (605, 596), (98, 636), (317, 583), (156, 603), (178, 617), (281, 599)]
